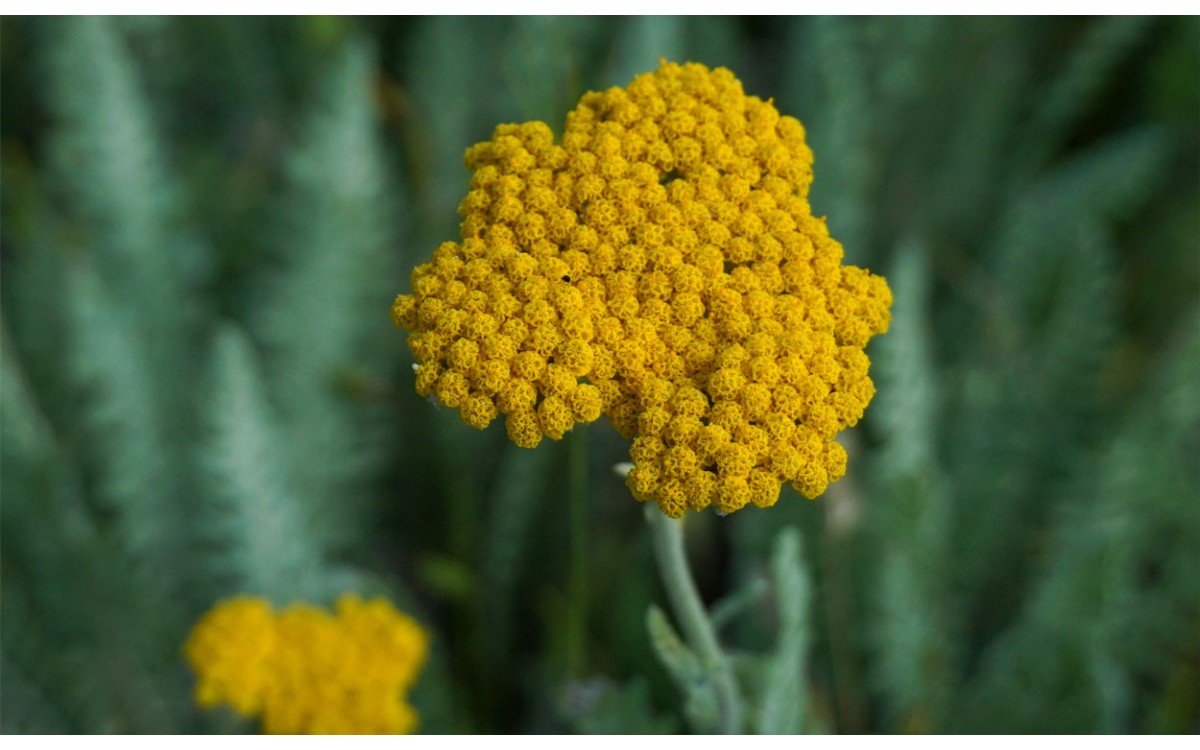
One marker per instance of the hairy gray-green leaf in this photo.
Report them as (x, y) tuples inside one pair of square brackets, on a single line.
[(130, 444), (1095, 620), (686, 670), (914, 661), (784, 702), (323, 316), (265, 537)]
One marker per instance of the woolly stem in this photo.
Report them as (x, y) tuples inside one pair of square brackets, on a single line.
[(578, 586), (692, 616)]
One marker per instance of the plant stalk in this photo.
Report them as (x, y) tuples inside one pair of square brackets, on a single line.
[(693, 619)]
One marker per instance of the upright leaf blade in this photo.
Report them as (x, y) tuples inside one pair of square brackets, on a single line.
[(784, 700), (265, 541), (323, 318)]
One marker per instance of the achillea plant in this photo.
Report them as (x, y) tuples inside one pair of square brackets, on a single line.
[(306, 671), (661, 266)]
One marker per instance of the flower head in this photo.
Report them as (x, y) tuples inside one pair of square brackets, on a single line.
[(659, 265), (307, 671)]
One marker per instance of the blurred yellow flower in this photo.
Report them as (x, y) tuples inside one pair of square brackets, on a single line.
[(661, 266), (307, 671)]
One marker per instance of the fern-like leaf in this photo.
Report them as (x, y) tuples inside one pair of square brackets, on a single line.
[(107, 150), (128, 443), (784, 700), (265, 539), (916, 664), (323, 317), (1096, 619)]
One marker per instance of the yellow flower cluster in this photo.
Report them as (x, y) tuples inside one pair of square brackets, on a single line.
[(306, 671), (661, 266)]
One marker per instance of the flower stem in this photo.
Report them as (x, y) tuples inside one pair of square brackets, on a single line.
[(693, 618), (578, 586)]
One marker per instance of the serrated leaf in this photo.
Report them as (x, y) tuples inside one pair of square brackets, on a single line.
[(266, 541), (108, 155), (911, 622), (324, 313), (906, 409), (130, 444)]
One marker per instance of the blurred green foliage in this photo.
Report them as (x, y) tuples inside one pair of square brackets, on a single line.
[(205, 220)]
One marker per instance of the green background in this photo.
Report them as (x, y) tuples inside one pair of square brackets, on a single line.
[(205, 222)]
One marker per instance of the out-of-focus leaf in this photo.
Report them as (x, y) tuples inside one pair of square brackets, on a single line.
[(264, 539), (324, 312), (622, 709), (1088, 69), (640, 42), (686, 670), (783, 705)]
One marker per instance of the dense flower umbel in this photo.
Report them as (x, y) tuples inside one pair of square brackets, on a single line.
[(660, 266), (306, 671)]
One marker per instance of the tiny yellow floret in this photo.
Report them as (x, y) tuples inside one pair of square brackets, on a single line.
[(659, 265), (304, 670)]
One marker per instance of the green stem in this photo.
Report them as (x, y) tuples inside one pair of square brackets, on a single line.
[(693, 618), (578, 591)]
